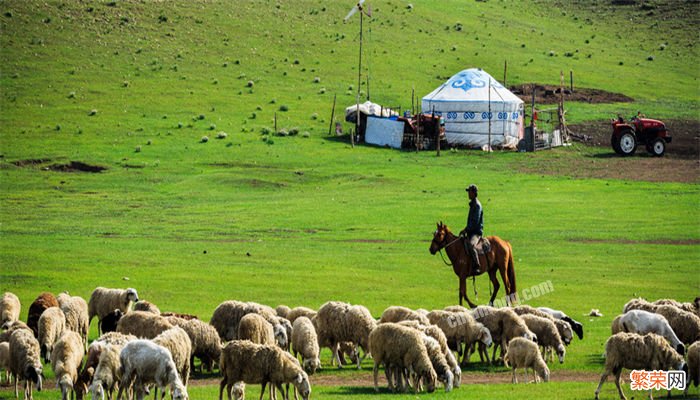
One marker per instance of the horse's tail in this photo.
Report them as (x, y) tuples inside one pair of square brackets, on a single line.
[(511, 273)]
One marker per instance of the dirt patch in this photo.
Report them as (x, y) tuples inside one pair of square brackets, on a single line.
[(661, 241), (76, 166), (549, 94), (30, 162)]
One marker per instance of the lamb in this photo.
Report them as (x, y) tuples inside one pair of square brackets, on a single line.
[(41, 303), (461, 327), (575, 325), (5, 361), (282, 311), (178, 343), (305, 341), (436, 333), (342, 322), (523, 353), (25, 363), (10, 308), (206, 344), (52, 323), (686, 325), (643, 322), (147, 306), (143, 324), (75, 309), (66, 358), (398, 348), (109, 322), (106, 375), (94, 353), (297, 312), (632, 351), (693, 366), (228, 314), (248, 362), (103, 301), (547, 334), (144, 362), (398, 314), (504, 325)]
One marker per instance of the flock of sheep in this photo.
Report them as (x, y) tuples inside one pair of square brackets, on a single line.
[(140, 348)]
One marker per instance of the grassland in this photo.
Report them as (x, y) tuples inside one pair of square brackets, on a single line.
[(302, 220)]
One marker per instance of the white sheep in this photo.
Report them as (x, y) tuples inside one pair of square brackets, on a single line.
[(399, 313), (557, 314), (144, 362), (632, 351), (103, 301), (341, 322), (228, 314), (439, 335), (693, 366), (305, 341), (643, 322), (547, 334), (255, 328), (440, 364), (101, 367), (143, 324), (52, 323), (297, 312), (251, 363), (400, 348), (206, 344), (75, 308), (523, 353), (66, 357), (283, 340), (179, 345), (10, 308), (563, 327), (25, 362), (5, 361), (147, 306), (461, 328), (504, 325)]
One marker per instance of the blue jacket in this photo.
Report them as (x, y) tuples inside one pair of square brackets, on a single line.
[(475, 220)]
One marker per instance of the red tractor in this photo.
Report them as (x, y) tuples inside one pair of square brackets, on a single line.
[(639, 130)]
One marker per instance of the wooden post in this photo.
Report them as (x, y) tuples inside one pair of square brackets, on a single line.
[(275, 122), (489, 115), (505, 73), (359, 86), (532, 121), (571, 80), (418, 130), (330, 128), (413, 97), (438, 133)]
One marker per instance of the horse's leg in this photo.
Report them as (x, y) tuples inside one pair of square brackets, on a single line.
[(462, 289), (496, 285)]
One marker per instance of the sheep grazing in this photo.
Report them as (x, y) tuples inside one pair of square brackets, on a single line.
[(103, 301), (5, 336), (440, 365), (143, 324), (109, 322), (144, 362), (75, 309), (5, 361), (461, 327), (106, 375), (52, 323), (66, 358), (400, 348), (251, 363), (564, 328), (228, 314), (650, 352), (282, 310), (297, 312), (255, 328), (686, 325), (25, 362), (178, 343), (575, 325), (94, 352), (41, 303), (342, 322), (504, 325), (206, 344), (693, 366), (523, 353), (10, 308), (147, 306), (305, 342), (547, 334), (398, 314), (643, 322), (436, 333)]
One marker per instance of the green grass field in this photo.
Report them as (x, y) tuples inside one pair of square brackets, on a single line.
[(303, 220)]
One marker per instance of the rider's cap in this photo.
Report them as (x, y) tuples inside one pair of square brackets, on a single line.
[(472, 187)]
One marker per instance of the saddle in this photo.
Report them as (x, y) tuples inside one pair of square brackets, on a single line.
[(483, 246)]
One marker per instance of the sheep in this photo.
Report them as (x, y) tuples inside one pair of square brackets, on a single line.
[(693, 366), (107, 374), (398, 314), (639, 304), (41, 303), (643, 322), (147, 306), (103, 301), (206, 344), (251, 363), (686, 325), (178, 343), (564, 328), (75, 309), (255, 328), (282, 310), (398, 348), (305, 341), (575, 325), (436, 333), (228, 314), (297, 312), (439, 362), (109, 322), (144, 362), (632, 351), (286, 327), (66, 358), (547, 334), (461, 327), (342, 322), (10, 308), (143, 324), (5, 361), (523, 353), (25, 363), (456, 309), (504, 325), (5, 336), (693, 308), (95, 350), (179, 315), (52, 323)]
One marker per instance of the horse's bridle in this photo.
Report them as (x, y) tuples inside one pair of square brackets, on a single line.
[(444, 247)]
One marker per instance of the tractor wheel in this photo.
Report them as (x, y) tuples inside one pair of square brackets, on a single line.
[(614, 142), (657, 148), (627, 143)]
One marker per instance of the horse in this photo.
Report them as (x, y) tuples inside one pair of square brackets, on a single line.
[(500, 258)]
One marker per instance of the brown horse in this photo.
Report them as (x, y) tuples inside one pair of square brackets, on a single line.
[(499, 258)]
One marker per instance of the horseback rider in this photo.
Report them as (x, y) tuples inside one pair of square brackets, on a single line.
[(475, 226)]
